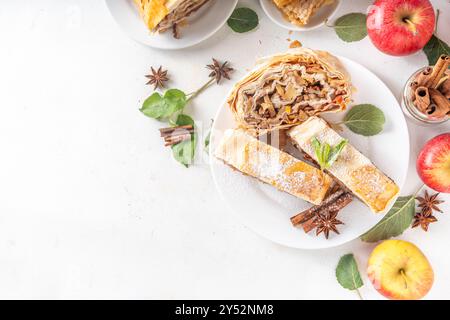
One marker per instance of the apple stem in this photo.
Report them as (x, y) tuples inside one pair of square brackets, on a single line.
[(402, 272), (438, 12), (411, 26), (359, 294), (420, 189)]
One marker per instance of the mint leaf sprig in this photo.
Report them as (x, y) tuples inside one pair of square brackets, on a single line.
[(169, 107), (326, 155), (163, 107)]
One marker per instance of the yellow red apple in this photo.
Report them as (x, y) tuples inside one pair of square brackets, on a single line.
[(400, 27), (400, 271), (433, 163)]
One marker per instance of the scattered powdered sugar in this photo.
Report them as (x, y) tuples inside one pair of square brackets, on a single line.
[(266, 165)]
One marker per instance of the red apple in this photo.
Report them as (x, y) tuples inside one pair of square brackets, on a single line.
[(433, 164), (400, 27)]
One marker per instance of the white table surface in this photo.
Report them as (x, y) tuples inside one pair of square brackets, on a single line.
[(93, 206)]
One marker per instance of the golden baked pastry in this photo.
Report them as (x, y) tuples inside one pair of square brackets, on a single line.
[(285, 89), (272, 166), (162, 15), (351, 168), (300, 11)]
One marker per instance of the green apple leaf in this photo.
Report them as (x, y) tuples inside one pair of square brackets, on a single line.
[(243, 20), (175, 100), (365, 119), (351, 27), (347, 273), (395, 222), (154, 106), (434, 49), (184, 151), (160, 107)]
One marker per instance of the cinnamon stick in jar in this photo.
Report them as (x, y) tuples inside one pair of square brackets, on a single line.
[(441, 105), (438, 71), (445, 88), (423, 77), (422, 98)]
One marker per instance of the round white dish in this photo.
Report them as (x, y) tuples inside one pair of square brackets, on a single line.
[(266, 210), (318, 20), (201, 24)]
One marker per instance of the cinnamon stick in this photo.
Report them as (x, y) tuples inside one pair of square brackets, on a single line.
[(422, 101), (413, 87), (168, 131), (445, 88), (176, 139), (177, 133), (308, 214), (423, 77), (438, 71), (340, 203), (442, 104)]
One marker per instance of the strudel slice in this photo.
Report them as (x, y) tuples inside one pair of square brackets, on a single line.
[(273, 166), (351, 168), (299, 12), (285, 89), (162, 15)]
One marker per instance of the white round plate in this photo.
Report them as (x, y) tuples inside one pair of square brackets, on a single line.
[(266, 210), (316, 21), (201, 24)]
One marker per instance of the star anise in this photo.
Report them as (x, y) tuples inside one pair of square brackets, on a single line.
[(219, 71), (429, 202), (326, 223), (423, 219), (157, 78)]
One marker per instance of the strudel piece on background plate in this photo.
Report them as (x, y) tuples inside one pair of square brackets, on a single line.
[(252, 157), (162, 15), (351, 168), (299, 12)]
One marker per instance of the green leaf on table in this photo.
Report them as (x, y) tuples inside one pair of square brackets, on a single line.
[(160, 107), (243, 20), (184, 151), (184, 120), (347, 273), (351, 27), (365, 119), (434, 49), (176, 100), (397, 220), (154, 106)]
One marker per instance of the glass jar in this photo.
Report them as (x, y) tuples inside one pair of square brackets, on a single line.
[(411, 111)]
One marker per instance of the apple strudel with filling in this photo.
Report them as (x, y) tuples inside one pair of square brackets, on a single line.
[(285, 89)]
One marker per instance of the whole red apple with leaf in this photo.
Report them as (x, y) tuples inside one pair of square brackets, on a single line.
[(400, 27), (395, 27)]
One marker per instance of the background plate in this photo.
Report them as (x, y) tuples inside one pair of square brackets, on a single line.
[(267, 210), (201, 25), (316, 21)]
